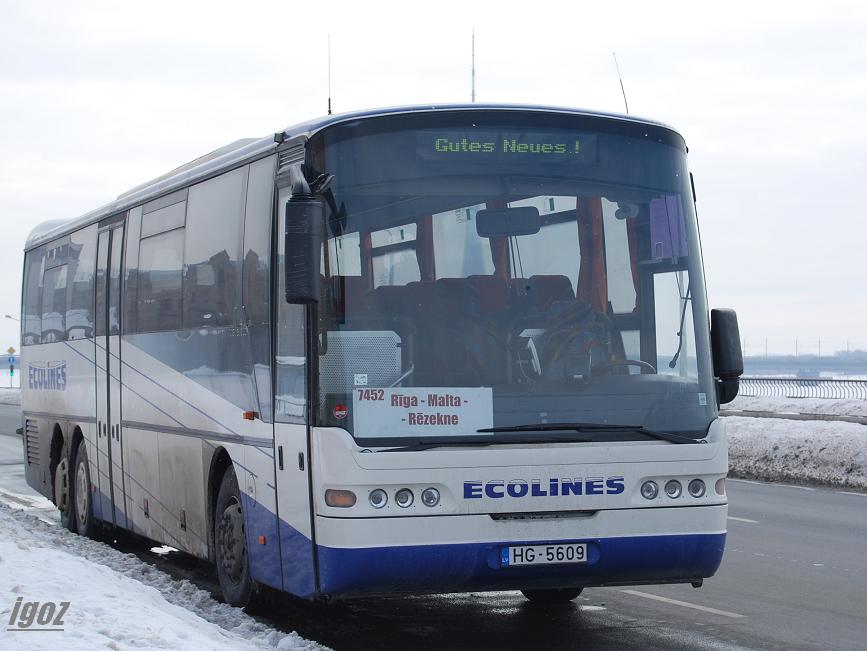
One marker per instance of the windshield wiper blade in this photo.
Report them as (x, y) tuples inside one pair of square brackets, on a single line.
[(671, 437), (483, 444)]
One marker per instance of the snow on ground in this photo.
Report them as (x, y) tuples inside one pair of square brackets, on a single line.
[(823, 452), (780, 405), (116, 601), (10, 396)]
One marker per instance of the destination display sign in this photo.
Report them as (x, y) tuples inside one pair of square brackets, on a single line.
[(417, 412), (541, 146)]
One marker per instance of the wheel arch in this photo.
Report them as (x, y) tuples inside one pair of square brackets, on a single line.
[(220, 463)]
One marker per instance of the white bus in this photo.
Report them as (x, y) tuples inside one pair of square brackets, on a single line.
[(427, 349)]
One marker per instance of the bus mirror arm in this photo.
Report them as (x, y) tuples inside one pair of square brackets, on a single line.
[(728, 361), (304, 234)]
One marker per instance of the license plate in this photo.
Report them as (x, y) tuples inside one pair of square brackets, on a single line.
[(543, 554)]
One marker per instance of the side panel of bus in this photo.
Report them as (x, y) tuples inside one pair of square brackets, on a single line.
[(165, 372)]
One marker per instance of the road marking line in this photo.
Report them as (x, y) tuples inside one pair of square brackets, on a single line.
[(770, 483), (852, 493), (731, 517), (685, 604)]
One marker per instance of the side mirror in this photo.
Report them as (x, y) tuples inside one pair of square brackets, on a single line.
[(305, 231), (728, 360)]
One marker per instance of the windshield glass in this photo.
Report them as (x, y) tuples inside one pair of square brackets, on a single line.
[(491, 269)]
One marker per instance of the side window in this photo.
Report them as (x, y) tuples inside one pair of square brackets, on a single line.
[(54, 304), (554, 251), (215, 211), (458, 250), (344, 254), (257, 242), (31, 319), (394, 255), (618, 261), (80, 270), (161, 255)]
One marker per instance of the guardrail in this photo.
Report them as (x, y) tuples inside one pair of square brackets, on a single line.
[(787, 387)]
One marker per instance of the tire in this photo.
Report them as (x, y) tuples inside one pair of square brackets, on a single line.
[(81, 500), (230, 544), (552, 596), (62, 486)]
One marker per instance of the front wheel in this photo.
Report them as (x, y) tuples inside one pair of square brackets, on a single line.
[(552, 595), (230, 539)]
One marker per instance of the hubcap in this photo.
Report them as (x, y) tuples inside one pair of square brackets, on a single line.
[(82, 494), (233, 548)]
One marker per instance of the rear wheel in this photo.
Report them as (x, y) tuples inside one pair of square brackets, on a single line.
[(552, 595), (63, 490), (82, 496), (230, 541)]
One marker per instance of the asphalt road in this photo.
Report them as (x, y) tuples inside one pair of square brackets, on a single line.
[(794, 576)]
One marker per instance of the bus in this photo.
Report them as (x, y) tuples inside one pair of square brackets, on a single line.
[(317, 359)]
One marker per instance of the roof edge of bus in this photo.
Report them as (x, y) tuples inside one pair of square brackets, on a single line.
[(249, 148), (310, 127)]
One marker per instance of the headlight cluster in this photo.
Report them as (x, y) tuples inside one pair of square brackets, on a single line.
[(673, 489), (378, 498)]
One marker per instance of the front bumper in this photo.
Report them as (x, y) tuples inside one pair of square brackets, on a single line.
[(425, 555)]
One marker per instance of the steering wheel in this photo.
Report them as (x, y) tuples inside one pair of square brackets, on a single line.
[(625, 362)]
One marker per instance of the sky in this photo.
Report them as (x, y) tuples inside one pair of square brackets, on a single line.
[(97, 97)]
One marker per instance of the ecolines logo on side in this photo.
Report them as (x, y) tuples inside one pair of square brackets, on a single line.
[(47, 376), (554, 487)]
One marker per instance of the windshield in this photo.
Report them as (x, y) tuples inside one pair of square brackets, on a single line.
[(486, 270)]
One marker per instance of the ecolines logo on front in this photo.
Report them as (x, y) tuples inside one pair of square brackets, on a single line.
[(554, 487)]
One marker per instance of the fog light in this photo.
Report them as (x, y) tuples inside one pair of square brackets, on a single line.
[(430, 497), (696, 488), (403, 498), (378, 498), (673, 488), (721, 486), (339, 498), (649, 490)]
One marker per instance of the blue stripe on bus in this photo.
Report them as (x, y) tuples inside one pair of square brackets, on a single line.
[(295, 574), (477, 566)]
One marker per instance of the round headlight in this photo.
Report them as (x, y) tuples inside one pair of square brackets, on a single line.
[(378, 498), (430, 497), (721, 486), (673, 488), (403, 498), (649, 490), (696, 488)]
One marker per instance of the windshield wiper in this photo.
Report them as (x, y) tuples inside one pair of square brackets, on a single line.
[(588, 428), (477, 443)]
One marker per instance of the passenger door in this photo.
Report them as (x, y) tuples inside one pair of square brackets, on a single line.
[(108, 372), (297, 541)]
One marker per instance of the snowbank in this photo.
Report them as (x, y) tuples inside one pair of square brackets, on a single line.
[(116, 600), (823, 452), (10, 396), (835, 407)]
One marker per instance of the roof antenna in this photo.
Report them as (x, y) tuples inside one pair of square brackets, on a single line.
[(622, 89), (329, 74), (473, 91)]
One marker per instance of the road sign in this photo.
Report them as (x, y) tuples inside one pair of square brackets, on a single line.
[(11, 350), (11, 359)]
